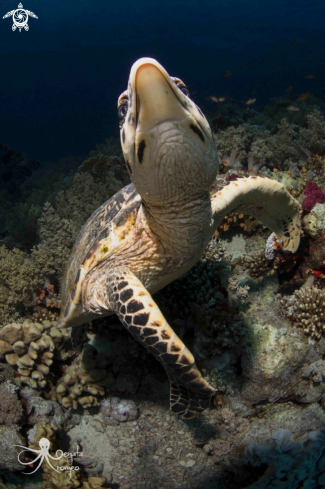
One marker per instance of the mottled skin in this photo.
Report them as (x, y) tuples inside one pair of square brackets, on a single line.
[(154, 230)]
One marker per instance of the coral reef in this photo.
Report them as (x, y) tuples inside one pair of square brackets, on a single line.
[(101, 167), (314, 195), (307, 308), (30, 347), (246, 223), (314, 222), (114, 409), (236, 293), (84, 380), (10, 437), (40, 410), (313, 137), (231, 145), (269, 374), (258, 266), (57, 479), (61, 222), (255, 147), (19, 278), (290, 465), (11, 410)]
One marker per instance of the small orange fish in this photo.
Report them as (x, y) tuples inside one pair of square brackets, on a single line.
[(227, 74), (303, 96), (250, 101), (289, 89), (309, 76), (292, 108), (217, 99)]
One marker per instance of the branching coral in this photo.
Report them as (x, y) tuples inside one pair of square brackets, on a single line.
[(307, 309), (258, 266), (236, 292)]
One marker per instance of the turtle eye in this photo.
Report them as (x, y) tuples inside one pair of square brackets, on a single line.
[(122, 111), (185, 91), (181, 85)]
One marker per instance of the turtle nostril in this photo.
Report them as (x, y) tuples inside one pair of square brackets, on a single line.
[(197, 131), (141, 147)]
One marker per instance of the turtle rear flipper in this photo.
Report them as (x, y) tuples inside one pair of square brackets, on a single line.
[(265, 199), (186, 402), (133, 304)]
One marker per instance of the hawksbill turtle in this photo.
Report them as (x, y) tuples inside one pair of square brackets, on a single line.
[(155, 229)]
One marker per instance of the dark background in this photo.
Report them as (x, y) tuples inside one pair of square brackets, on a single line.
[(60, 80)]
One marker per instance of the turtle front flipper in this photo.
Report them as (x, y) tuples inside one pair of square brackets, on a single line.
[(129, 299), (265, 199)]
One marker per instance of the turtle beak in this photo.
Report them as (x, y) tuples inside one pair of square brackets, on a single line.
[(156, 96)]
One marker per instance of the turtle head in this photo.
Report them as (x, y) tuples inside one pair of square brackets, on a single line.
[(166, 140)]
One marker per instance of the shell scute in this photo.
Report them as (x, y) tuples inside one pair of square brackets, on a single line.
[(98, 238)]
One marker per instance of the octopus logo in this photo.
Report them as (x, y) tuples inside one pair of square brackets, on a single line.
[(20, 18), (44, 453)]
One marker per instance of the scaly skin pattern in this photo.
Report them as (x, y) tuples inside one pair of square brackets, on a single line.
[(154, 230), (190, 393), (265, 199)]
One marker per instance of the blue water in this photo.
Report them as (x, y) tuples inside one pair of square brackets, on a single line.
[(60, 80)]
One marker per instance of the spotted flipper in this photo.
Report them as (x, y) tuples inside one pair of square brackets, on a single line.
[(190, 394), (265, 199)]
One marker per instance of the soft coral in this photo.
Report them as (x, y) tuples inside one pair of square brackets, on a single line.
[(313, 195)]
